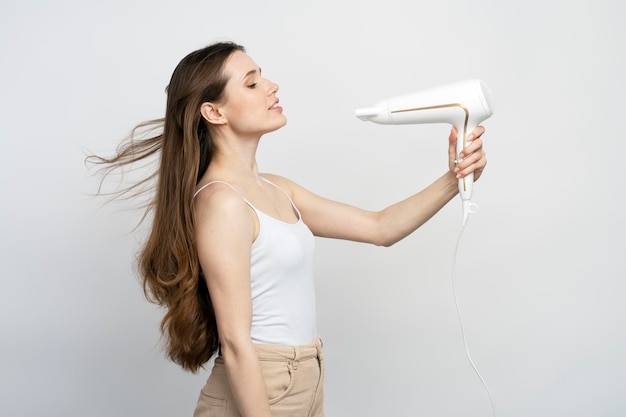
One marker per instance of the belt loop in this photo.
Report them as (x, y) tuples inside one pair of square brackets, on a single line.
[(296, 356), (318, 345)]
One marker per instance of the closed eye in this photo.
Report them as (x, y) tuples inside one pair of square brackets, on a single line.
[(253, 74)]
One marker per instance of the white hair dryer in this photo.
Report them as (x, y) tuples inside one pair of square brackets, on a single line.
[(464, 105)]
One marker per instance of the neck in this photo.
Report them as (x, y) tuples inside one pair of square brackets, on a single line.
[(234, 160)]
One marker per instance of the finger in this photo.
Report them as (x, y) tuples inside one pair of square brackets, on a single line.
[(477, 132), (452, 147), (453, 133), (474, 163), (474, 146), (453, 137), (470, 159)]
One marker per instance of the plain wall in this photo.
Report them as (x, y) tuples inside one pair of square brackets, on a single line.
[(540, 267)]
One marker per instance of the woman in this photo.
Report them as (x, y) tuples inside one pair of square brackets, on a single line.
[(230, 250)]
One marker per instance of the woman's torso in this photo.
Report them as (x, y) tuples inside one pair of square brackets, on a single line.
[(281, 278)]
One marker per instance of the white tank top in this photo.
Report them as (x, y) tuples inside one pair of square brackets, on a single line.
[(281, 279)]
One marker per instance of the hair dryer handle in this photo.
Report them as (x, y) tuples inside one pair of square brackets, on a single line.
[(466, 184)]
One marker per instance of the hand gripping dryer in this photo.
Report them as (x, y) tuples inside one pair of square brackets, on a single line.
[(463, 104)]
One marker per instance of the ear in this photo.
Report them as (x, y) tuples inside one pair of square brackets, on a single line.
[(211, 113)]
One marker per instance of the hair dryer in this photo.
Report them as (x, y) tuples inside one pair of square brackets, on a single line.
[(463, 104)]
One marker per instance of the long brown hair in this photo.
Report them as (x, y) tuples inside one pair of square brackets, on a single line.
[(168, 261)]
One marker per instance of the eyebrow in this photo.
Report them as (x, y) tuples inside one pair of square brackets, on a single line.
[(251, 72)]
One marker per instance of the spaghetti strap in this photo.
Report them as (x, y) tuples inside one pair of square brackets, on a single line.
[(286, 195), (227, 184), (246, 200)]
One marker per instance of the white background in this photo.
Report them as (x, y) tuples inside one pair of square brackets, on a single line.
[(540, 273)]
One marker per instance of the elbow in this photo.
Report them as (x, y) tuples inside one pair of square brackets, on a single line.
[(386, 243), (387, 234), (234, 346), (384, 231), (235, 356), (384, 239)]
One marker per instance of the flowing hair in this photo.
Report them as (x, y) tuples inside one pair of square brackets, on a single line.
[(168, 264)]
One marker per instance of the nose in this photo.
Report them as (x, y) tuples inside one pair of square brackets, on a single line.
[(273, 87)]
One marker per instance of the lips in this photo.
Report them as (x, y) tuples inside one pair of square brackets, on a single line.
[(275, 105)]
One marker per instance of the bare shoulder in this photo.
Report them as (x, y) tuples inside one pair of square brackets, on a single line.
[(220, 203), (217, 195), (224, 232)]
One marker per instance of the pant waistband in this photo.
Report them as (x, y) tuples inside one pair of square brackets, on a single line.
[(289, 353)]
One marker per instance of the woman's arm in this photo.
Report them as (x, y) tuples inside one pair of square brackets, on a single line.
[(332, 219), (225, 232)]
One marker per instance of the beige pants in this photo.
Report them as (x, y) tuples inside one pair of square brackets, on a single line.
[(294, 377)]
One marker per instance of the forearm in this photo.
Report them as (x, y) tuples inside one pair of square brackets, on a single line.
[(246, 380), (401, 219)]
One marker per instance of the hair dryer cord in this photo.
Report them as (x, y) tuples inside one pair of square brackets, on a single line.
[(458, 310)]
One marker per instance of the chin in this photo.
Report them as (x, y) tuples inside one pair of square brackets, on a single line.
[(281, 124), (274, 125)]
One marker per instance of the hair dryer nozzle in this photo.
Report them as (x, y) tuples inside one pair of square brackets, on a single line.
[(367, 112)]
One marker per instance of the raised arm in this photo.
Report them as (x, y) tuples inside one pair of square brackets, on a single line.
[(225, 232), (332, 219)]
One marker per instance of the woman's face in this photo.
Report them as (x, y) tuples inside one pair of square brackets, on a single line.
[(250, 105)]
